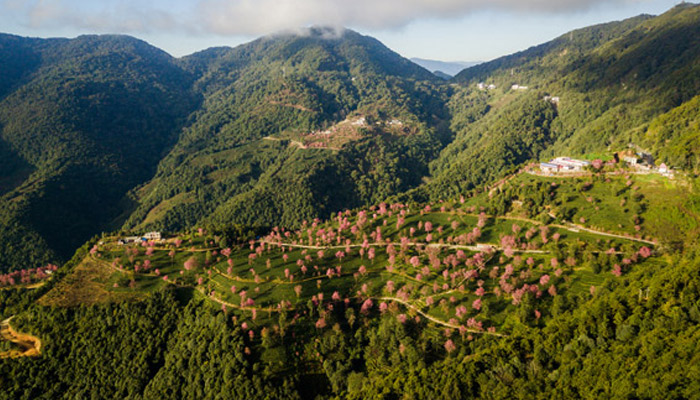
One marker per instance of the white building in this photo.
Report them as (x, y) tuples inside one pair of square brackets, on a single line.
[(360, 122), (152, 235), (128, 239), (483, 86), (552, 99), (564, 164), (518, 87), (664, 169), (631, 160)]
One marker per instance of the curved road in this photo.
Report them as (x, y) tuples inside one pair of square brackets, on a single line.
[(30, 345)]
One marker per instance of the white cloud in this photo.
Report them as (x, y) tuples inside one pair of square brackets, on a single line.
[(255, 17)]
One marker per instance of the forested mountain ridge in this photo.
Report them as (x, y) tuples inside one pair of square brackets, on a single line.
[(283, 271), (103, 132), (294, 127), (603, 84), (549, 286), (82, 122)]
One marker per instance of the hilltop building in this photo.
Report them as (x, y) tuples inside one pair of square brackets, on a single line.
[(152, 235), (563, 164), (483, 86)]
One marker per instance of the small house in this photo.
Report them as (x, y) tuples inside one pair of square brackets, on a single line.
[(128, 239), (362, 121), (152, 235), (631, 160)]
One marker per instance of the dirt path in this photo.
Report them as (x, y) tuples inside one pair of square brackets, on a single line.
[(577, 228), (438, 321), (500, 183), (300, 144), (289, 105), (34, 285), (30, 346), (291, 142), (239, 307), (479, 247)]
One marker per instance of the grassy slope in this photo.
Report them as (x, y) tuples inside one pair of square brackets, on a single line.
[(264, 277)]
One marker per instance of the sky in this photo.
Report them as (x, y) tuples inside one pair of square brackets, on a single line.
[(447, 30)]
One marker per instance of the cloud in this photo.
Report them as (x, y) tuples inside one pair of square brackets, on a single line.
[(255, 17)]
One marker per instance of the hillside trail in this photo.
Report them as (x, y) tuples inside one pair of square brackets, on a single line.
[(291, 142), (571, 227), (301, 145), (35, 285), (436, 320), (577, 228), (30, 346), (479, 247)]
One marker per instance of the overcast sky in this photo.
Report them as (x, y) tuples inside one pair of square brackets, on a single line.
[(449, 30)]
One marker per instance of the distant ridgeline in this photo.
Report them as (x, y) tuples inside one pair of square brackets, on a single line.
[(102, 133)]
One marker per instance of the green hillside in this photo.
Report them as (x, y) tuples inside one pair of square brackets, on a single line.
[(350, 307), (296, 127), (86, 120), (675, 134), (610, 82), (339, 223), (107, 132)]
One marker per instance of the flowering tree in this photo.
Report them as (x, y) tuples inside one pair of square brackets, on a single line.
[(476, 304), (450, 346), (366, 306), (191, 263)]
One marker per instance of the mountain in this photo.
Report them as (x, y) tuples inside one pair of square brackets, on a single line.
[(450, 68), (81, 123), (590, 91), (493, 297), (336, 222), (295, 127), (100, 130), (102, 133)]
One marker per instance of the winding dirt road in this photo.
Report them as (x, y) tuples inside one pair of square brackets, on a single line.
[(438, 321), (29, 346)]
